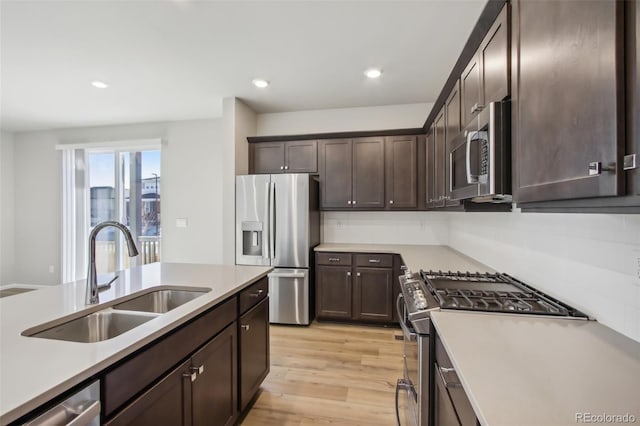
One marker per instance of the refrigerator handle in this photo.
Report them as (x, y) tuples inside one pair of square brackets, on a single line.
[(266, 229), (272, 221)]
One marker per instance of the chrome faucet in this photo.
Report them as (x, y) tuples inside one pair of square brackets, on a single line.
[(92, 280)]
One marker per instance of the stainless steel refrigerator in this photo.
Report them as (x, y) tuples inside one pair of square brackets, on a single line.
[(278, 224)]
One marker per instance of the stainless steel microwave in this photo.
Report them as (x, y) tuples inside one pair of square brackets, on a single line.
[(480, 158)]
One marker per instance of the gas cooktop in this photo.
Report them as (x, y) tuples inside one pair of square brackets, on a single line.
[(491, 293)]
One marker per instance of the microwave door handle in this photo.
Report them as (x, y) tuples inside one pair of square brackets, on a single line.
[(470, 178)]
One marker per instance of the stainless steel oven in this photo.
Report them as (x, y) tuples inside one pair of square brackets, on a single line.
[(480, 158), (412, 390)]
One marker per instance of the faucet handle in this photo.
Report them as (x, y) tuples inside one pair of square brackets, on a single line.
[(106, 286)]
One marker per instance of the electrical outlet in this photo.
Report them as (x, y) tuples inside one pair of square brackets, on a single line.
[(340, 225), (182, 222), (51, 269)]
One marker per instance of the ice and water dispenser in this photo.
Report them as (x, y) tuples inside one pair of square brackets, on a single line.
[(251, 238)]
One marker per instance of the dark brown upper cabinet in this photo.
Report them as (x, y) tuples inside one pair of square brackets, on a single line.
[(568, 128), (453, 127), (335, 174), (633, 96), (486, 77), (284, 157), (439, 150), (401, 172), (430, 163), (352, 174)]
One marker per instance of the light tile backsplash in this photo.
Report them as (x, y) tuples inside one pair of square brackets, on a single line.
[(591, 261), (385, 227)]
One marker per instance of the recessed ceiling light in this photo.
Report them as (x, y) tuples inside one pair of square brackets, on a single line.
[(260, 83), (99, 84), (373, 73)]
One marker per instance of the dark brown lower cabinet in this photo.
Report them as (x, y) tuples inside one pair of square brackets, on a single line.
[(373, 292), (168, 402), (361, 289), (202, 391), (214, 391), (333, 284), (253, 346)]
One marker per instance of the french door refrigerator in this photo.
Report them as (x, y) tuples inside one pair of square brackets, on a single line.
[(278, 224)]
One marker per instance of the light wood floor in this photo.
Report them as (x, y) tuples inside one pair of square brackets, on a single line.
[(329, 374)]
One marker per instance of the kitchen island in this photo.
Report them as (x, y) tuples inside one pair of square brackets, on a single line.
[(34, 370)]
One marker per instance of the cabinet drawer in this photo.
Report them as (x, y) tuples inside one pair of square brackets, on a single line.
[(129, 378), (253, 294), (450, 380), (334, 259), (374, 260)]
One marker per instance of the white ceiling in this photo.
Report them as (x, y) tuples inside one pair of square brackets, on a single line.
[(174, 60)]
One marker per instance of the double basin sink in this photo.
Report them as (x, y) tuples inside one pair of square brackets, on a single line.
[(117, 318)]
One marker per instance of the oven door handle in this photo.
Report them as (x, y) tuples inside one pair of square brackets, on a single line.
[(404, 385), (412, 337)]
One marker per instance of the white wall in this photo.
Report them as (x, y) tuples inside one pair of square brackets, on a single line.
[(591, 261), (6, 208), (344, 119), (239, 122), (190, 155)]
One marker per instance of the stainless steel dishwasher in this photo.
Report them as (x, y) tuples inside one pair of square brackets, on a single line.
[(80, 409)]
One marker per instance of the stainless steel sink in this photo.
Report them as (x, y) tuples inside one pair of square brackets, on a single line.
[(160, 301), (95, 327)]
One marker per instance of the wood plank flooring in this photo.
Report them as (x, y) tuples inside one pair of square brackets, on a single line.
[(329, 374)]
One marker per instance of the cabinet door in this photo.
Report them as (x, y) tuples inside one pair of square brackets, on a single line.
[(166, 403), (567, 111), (401, 172), (373, 291), (633, 92), (254, 351), (368, 173), (494, 60), (268, 157), (470, 90), (439, 169), (215, 390), (452, 130), (430, 169), (335, 174), (333, 286), (301, 157)]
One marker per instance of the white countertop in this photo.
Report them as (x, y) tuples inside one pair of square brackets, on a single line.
[(526, 370), (416, 257), (35, 370)]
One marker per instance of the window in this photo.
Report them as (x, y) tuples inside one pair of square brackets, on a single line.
[(110, 183)]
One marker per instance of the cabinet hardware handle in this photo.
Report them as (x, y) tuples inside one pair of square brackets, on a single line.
[(256, 294), (442, 371), (357, 274), (281, 167), (286, 167), (353, 202), (374, 260), (595, 168), (476, 108), (193, 375), (390, 201), (630, 162), (349, 202), (245, 327), (197, 370), (348, 274), (334, 259)]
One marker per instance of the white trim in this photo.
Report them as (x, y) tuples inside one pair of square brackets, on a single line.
[(130, 145)]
